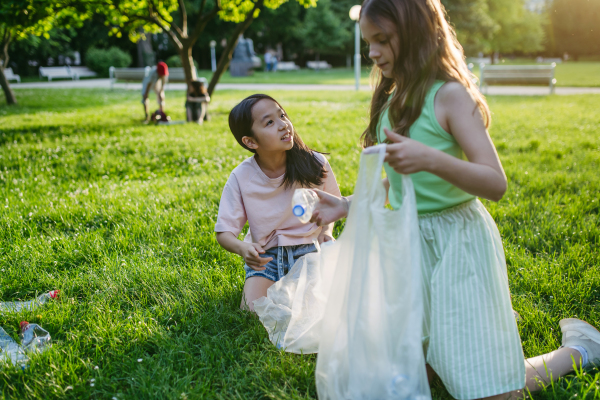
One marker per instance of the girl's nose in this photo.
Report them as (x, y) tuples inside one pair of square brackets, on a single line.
[(374, 53)]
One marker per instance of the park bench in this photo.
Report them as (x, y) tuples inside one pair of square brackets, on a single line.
[(517, 74), (56, 72), (11, 76), (82, 72), (318, 65), (287, 66)]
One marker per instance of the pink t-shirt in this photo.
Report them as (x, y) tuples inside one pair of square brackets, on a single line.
[(250, 195)]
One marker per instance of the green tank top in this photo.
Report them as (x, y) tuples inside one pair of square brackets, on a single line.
[(432, 192)]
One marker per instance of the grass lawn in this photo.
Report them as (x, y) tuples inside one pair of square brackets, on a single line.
[(568, 74), (580, 74), (119, 216)]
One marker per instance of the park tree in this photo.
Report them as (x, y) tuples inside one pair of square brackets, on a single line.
[(322, 29), (473, 24), (519, 29), (184, 22), (575, 27), (21, 18)]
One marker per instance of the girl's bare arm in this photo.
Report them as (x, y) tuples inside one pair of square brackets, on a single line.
[(482, 175)]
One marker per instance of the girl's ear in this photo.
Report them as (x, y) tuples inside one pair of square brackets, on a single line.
[(250, 142)]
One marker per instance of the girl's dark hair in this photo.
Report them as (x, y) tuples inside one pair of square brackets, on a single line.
[(428, 50), (198, 89), (301, 164)]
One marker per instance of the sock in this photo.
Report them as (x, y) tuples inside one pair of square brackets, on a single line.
[(584, 354)]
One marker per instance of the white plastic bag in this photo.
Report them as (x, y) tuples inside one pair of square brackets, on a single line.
[(371, 330), (292, 311)]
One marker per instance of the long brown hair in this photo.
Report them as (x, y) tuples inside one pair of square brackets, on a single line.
[(428, 51), (301, 164)]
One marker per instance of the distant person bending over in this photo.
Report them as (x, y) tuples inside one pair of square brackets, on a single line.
[(155, 80), (196, 102)]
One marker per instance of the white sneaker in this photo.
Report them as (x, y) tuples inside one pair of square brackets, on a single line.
[(579, 333)]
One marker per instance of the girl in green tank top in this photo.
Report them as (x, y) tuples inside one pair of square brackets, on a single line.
[(434, 120)]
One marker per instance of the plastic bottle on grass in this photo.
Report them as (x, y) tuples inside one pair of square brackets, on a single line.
[(10, 351), (303, 204), (34, 337), (16, 306)]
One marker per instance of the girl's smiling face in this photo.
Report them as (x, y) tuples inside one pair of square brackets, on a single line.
[(381, 42), (272, 129)]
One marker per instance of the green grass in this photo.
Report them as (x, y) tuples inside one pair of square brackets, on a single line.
[(119, 217), (568, 74), (580, 74)]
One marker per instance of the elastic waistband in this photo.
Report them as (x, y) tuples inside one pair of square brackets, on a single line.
[(451, 210)]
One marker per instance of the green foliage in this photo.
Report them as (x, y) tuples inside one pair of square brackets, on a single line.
[(37, 17), (519, 29), (175, 62), (322, 30), (506, 26), (575, 26), (120, 216), (100, 60), (473, 24)]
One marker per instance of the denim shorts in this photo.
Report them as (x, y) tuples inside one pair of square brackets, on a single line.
[(283, 260)]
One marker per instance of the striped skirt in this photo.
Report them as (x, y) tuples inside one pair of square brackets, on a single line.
[(471, 337)]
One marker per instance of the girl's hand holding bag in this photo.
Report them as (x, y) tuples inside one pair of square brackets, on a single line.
[(359, 300)]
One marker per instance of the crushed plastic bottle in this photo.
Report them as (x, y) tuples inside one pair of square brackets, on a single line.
[(34, 337), (402, 387), (10, 351), (16, 306), (303, 204)]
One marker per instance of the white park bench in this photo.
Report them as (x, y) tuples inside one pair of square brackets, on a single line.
[(82, 72), (11, 76), (56, 72), (517, 74), (287, 66), (317, 65)]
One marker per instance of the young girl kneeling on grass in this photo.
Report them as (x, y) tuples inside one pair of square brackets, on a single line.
[(260, 191), (435, 119)]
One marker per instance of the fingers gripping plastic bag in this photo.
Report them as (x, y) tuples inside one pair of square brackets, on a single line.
[(370, 344)]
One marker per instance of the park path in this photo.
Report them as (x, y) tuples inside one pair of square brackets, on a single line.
[(105, 83)]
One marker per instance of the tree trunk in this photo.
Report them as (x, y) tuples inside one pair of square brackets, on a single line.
[(188, 62), (228, 51), (8, 93)]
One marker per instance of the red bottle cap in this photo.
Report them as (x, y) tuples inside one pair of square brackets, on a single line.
[(24, 325), (54, 294)]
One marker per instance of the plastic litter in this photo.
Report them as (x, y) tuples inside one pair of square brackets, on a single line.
[(303, 204), (292, 311), (358, 301), (16, 306), (34, 337), (371, 333), (10, 351)]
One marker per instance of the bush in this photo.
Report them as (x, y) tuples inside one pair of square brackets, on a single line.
[(100, 60), (175, 62)]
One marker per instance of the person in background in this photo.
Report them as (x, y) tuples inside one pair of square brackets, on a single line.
[(268, 61), (196, 102), (155, 80)]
